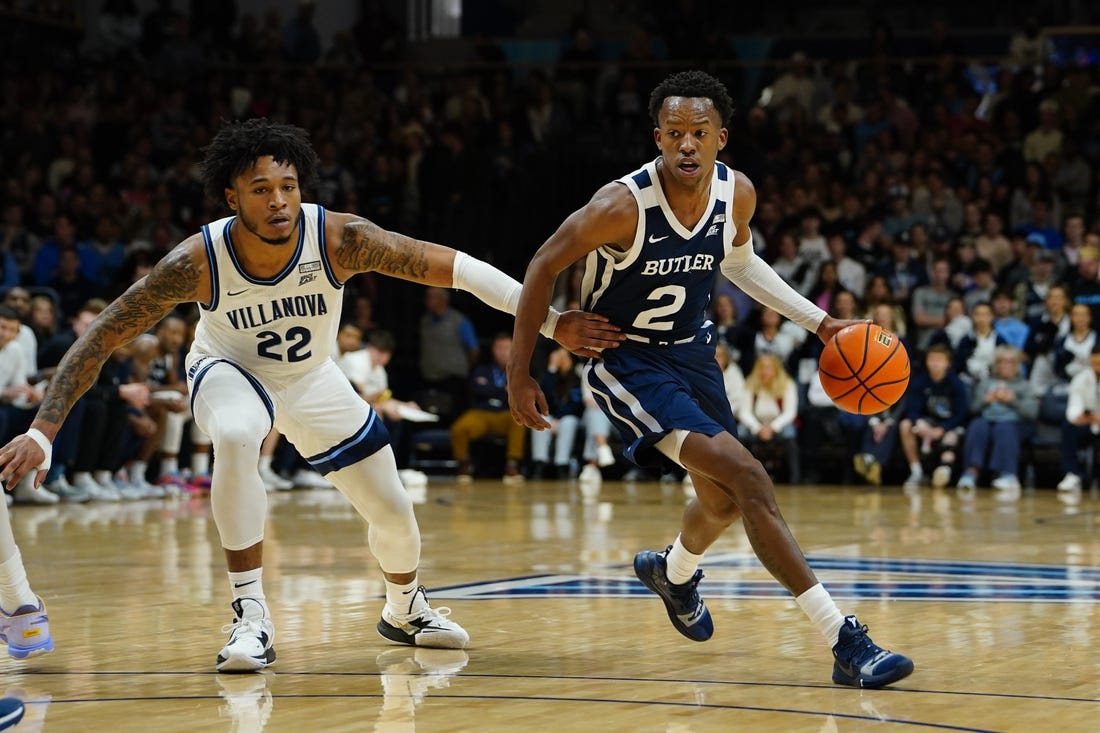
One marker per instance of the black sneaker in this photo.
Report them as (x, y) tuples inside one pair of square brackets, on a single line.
[(686, 609), (862, 663)]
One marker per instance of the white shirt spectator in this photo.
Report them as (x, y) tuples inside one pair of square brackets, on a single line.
[(13, 366), (763, 409), (1083, 395), (369, 380), (29, 343), (735, 385)]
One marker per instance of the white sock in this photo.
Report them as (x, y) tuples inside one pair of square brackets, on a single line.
[(398, 598), (265, 462), (169, 465), (81, 475), (15, 591), (137, 472), (681, 564), (916, 469), (200, 463), (102, 477), (249, 584), (818, 605)]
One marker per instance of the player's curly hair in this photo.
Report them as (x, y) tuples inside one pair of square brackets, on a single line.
[(692, 84), (237, 146)]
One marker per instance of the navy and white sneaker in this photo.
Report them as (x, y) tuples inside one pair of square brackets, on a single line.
[(862, 663), (251, 636), (428, 627), (686, 609), (11, 712)]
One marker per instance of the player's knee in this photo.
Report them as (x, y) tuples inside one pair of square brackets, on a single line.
[(239, 441)]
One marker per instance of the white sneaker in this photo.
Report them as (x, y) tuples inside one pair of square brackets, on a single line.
[(67, 491), (941, 476), (127, 491), (1006, 482), (310, 479), (153, 490), (273, 481), (251, 635), (428, 627), (590, 475), (916, 478), (1070, 482), (25, 493), (605, 456), (85, 482)]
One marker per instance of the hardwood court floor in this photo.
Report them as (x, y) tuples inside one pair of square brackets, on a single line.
[(996, 603)]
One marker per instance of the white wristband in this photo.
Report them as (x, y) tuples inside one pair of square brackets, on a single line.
[(44, 443), (550, 324)]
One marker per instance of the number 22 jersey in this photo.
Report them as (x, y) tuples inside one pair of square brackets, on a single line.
[(280, 326)]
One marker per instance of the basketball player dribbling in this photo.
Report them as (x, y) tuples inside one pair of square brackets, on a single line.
[(268, 282), (653, 240)]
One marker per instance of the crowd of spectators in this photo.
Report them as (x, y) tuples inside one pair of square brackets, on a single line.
[(952, 201)]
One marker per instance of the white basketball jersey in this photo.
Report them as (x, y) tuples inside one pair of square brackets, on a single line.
[(281, 326)]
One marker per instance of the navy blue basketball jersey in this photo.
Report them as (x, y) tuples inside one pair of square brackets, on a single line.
[(659, 289)]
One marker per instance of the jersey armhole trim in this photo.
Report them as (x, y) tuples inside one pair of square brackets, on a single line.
[(322, 244), (213, 263)]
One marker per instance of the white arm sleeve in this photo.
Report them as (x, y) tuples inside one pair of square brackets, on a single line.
[(745, 269), (494, 288)]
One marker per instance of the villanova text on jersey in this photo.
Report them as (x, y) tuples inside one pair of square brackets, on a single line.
[(281, 325), (660, 288), (301, 306)]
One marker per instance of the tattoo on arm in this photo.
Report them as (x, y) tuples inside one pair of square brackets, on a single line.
[(175, 279), (366, 247)]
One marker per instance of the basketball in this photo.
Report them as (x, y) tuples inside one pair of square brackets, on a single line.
[(864, 369)]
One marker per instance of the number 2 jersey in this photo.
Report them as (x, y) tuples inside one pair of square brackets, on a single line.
[(280, 326), (659, 289)]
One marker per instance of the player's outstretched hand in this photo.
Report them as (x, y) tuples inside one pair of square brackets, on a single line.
[(18, 458), (830, 326), (527, 402), (586, 334)]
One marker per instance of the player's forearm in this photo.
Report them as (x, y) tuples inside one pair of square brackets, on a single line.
[(538, 287), (496, 289), (745, 269)]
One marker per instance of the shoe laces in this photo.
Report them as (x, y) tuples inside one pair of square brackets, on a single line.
[(440, 613), (247, 625), (687, 594), (861, 650)]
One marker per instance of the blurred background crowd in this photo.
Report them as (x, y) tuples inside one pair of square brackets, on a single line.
[(930, 169)]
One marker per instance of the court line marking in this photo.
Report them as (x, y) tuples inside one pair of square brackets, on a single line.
[(555, 698), (661, 680)]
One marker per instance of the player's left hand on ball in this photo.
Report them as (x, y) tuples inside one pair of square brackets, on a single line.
[(586, 334), (830, 326), (527, 402)]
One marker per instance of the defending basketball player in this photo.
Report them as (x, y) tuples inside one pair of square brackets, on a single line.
[(653, 241), (268, 282)]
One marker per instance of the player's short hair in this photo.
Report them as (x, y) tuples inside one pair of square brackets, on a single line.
[(692, 84), (239, 144)]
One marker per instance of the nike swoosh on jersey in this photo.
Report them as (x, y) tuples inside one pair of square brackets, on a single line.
[(654, 239), (231, 293)]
